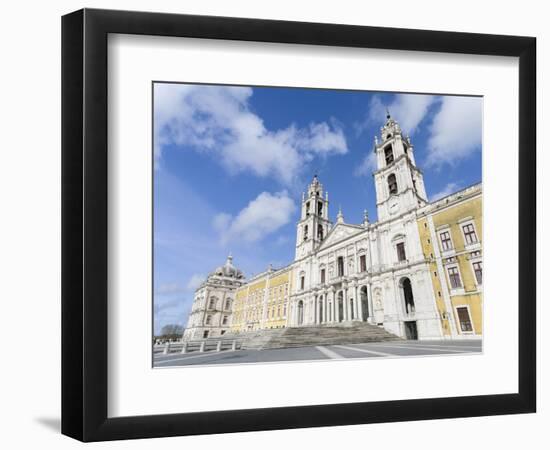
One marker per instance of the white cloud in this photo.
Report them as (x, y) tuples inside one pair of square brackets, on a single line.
[(407, 109), (455, 131), (218, 120), (447, 190), (367, 166), (195, 281), (261, 217)]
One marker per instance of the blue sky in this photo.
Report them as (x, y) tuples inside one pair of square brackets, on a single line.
[(231, 163)]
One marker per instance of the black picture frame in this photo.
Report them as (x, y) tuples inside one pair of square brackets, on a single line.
[(84, 224)]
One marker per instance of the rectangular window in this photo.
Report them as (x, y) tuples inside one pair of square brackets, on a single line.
[(469, 234), (322, 276), (208, 320), (302, 282), (478, 271), (454, 277), (224, 321), (340, 266), (401, 255), (446, 243), (464, 319), (363, 263)]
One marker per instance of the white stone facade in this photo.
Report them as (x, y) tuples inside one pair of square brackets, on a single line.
[(370, 272), (212, 308)]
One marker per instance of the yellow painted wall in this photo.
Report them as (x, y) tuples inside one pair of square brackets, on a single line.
[(249, 303), (429, 254), (474, 301), (277, 303), (452, 216)]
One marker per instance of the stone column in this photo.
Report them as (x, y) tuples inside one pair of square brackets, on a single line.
[(359, 302), (369, 300), (317, 310), (334, 311), (346, 304)]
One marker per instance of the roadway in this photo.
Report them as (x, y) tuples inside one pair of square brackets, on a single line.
[(394, 349)]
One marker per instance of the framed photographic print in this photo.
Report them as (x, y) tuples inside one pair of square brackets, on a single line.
[(273, 224)]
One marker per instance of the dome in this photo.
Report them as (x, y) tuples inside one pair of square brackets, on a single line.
[(228, 270)]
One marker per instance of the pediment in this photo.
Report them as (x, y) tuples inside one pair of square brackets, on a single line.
[(340, 232)]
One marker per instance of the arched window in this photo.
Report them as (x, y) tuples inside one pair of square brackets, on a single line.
[(407, 293), (305, 233), (300, 312), (392, 184), (320, 232), (212, 303), (340, 309), (364, 303)]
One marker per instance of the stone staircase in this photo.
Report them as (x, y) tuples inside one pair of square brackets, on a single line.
[(330, 334)]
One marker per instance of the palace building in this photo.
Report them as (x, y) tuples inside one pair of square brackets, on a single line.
[(416, 272), (213, 303)]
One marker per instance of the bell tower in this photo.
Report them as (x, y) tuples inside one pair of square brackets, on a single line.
[(314, 223), (399, 183)]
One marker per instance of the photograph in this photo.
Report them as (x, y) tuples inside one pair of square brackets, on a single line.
[(267, 225), (305, 224)]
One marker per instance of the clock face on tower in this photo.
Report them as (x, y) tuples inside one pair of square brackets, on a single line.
[(394, 206)]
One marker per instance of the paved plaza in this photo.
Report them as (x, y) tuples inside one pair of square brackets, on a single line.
[(396, 349)]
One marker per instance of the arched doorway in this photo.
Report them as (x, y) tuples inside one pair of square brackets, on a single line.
[(407, 295), (364, 303), (340, 306), (300, 312)]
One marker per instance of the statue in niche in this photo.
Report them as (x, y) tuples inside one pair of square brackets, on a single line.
[(378, 306)]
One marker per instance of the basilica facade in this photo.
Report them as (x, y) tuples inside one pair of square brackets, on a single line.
[(416, 272)]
